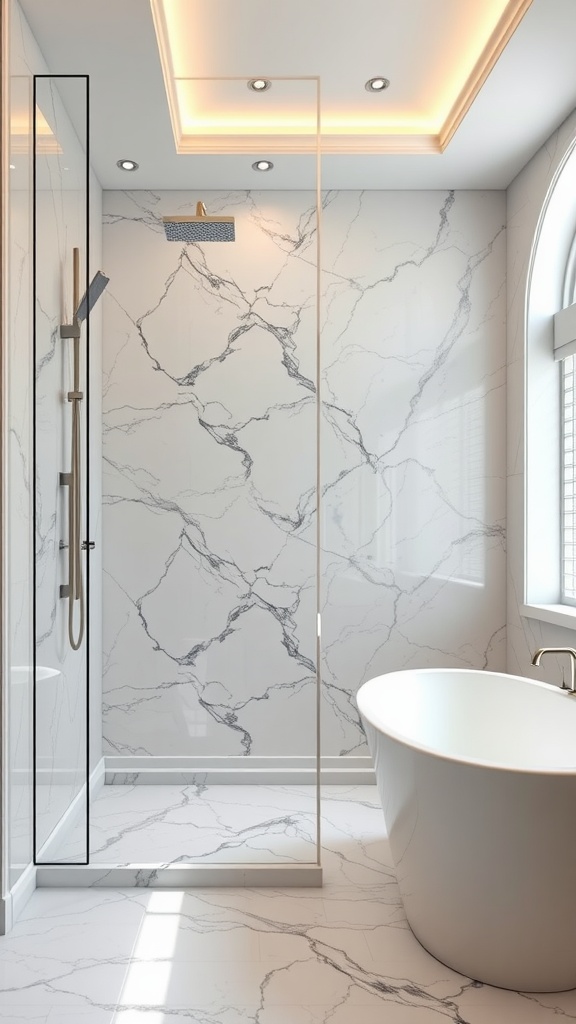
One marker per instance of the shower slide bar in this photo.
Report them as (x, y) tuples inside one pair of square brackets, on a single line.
[(74, 589)]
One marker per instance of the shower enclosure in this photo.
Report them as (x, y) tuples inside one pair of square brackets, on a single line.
[(178, 744), (61, 228)]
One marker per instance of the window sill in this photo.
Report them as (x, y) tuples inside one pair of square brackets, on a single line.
[(557, 614)]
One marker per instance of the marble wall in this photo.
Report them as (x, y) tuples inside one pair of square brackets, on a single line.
[(413, 459), (210, 456), (209, 480), (526, 198)]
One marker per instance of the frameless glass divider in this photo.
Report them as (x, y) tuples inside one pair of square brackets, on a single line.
[(61, 473)]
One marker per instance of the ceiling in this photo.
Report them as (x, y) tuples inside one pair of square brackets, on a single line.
[(431, 50), (450, 53)]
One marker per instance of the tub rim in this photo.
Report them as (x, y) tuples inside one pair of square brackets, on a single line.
[(474, 762)]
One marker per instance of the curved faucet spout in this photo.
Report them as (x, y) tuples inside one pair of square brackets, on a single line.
[(559, 650)]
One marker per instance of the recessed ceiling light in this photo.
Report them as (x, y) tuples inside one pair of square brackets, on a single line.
[(12, 167), (377, 84), (262, 165), (259, 84), (127, 165)]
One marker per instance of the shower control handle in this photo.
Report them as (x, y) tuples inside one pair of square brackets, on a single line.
[(87, 545)]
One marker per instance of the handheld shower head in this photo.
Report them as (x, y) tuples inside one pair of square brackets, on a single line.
[(90, 298), (200, 228)]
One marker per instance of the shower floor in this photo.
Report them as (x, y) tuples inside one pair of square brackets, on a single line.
[(182, 824)]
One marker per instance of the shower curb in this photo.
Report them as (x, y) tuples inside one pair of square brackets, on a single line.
[(179, 876)]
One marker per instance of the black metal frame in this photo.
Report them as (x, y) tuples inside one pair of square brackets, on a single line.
[(86, 79)]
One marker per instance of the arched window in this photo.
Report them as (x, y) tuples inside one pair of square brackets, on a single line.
[(565, 353), (550, 410)]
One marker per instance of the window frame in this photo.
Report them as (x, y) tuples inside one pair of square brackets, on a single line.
[(551, 271)]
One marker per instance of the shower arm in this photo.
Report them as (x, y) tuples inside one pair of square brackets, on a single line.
[(74, 589)]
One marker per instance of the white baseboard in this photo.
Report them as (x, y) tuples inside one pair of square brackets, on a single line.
[(229, 771), (12, 905)]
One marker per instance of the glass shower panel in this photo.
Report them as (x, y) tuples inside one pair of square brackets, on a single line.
[(60, 226), (210, 496), (18, 468)]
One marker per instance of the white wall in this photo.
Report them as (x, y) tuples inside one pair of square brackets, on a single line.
[(209, 453)]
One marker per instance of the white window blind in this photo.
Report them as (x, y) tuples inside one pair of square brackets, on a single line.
[(568, 482)]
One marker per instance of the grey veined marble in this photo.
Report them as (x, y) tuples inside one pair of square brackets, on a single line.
[(199, 824), (342, 954), (210, 462)]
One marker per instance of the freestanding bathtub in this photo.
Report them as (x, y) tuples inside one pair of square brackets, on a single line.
[(477, 776)]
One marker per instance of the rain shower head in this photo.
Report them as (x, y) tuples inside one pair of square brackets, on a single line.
[(89, 300), (200, 228)]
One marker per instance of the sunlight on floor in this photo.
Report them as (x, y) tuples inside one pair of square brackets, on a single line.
[(156, 940)]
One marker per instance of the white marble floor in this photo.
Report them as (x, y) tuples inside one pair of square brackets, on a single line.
[(342, 954), (132, 824)]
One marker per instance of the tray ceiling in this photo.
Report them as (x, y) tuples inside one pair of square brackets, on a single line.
[(456, 115)]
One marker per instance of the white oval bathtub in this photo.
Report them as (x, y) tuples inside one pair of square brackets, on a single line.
[(477, 776)]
